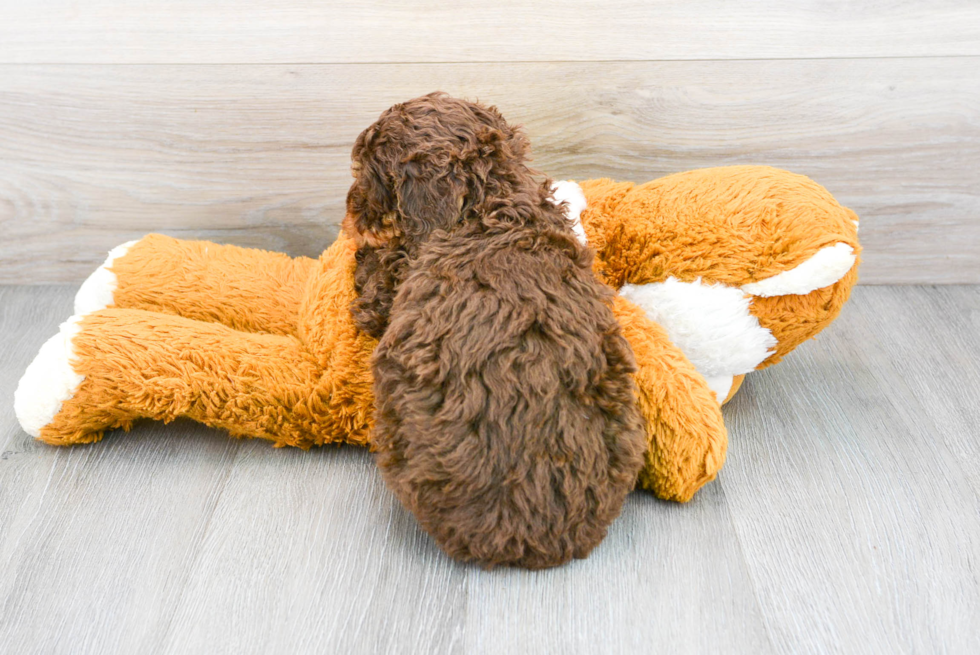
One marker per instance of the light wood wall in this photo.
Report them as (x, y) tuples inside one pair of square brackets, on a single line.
[(233, 121)]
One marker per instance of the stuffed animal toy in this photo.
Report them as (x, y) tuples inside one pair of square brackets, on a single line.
[(720, 272)]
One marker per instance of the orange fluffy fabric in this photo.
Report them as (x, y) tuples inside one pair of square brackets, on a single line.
[(263, 345), (733, 225), (176, 345)]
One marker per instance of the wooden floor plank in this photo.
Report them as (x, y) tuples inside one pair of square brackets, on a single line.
[(941, 372), (669, 578), (91, 156), (847, 517), (300, 31), (96, 542), (314, 555), (856, 516)]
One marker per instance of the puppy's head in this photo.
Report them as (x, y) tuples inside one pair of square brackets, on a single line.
[(423, 166)]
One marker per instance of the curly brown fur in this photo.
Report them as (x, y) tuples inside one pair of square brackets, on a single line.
[(506, 419)]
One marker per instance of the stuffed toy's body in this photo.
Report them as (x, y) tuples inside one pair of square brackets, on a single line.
[(720, 272)]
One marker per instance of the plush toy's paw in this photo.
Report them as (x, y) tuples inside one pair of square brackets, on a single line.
[(51, 380), (48, 382), (686, 436), (97, 291)]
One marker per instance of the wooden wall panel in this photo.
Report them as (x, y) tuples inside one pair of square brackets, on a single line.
[(91, 156), (299, 31)]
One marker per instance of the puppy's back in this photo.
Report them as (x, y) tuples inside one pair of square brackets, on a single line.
[(507, 420)]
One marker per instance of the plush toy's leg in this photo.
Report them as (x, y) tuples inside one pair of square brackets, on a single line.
[(243, 288), (114, 366), (686, 434)]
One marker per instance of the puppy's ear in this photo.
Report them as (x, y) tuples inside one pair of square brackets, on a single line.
[(430, 192), (370, 197)]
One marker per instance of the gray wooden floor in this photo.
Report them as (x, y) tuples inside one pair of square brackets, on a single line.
[(847, 519)]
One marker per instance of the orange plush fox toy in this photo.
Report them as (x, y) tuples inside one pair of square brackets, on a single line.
[(720, 272)]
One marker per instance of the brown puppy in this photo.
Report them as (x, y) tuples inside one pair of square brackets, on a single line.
[(506, 419)]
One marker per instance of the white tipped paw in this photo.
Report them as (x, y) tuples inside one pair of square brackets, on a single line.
[(721, 385), (49, 381), (97, 291)]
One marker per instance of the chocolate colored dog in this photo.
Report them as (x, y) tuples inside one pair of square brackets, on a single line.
[(506, 419)]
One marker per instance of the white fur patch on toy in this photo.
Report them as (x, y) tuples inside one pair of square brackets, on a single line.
[(570, 192), (721, 385), (710, 323), (826, 267), (49, 381), (97, 291)]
